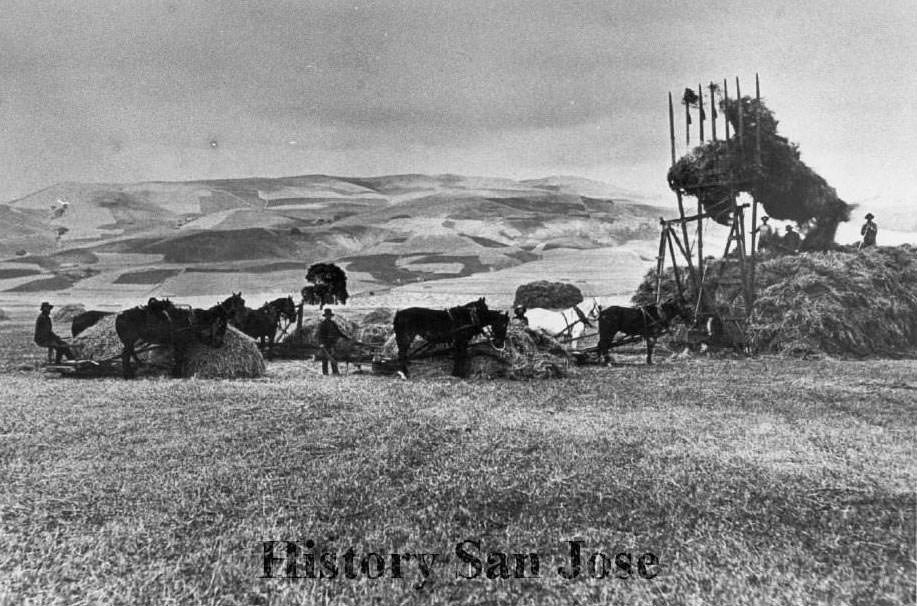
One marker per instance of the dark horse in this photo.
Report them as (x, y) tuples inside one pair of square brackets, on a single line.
[(235, 309), (162, 323), (648, 322), (262, 323), (86, 319), (456, 325)]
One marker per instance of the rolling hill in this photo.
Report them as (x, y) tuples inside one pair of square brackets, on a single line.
[(122, 242)]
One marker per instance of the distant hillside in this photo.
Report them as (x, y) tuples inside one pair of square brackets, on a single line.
[(196, 237)]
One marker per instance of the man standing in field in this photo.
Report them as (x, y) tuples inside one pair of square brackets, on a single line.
[(328, 335), (45, 337), (765, 233), (869, 231)]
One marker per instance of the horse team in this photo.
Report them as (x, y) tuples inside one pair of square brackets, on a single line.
[(161, 322)]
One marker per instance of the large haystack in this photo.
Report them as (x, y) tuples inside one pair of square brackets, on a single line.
[(548, 295), (238, 357), (844, 303), (3, 316)]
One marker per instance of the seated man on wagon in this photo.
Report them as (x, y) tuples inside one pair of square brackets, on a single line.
[(45, 337)]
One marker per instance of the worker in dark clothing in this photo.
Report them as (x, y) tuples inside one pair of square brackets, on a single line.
[(328, 335), (791, 241), (45, 337), (869, 231)]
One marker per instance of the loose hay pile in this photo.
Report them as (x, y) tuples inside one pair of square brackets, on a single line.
[(548, 295), (380, 315), (527, 354), (68, 311), (843, 303), (100, 342), (307, 334), (239, 356)]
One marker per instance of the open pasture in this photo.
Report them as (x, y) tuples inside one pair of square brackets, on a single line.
[(762, 481)]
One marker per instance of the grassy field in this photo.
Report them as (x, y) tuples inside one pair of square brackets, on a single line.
[(761, 481)]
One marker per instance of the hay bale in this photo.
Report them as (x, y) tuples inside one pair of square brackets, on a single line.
[(68, 311), (549, 295), (238, 358), (380, 315)]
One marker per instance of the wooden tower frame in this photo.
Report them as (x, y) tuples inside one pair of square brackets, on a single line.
[(674, 244)]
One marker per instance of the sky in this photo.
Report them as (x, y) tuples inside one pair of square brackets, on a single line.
[(125, 91)]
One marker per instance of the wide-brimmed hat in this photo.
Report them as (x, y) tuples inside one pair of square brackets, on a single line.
[(328, 312), (765, 218), (869, 216), (46, 305), (789, 228)]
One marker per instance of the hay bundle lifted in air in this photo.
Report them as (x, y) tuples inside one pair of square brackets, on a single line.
[(788, 189), (239, 356), (549, 295)]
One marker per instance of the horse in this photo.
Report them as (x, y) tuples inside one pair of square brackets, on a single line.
[(161, 322), (567, 325), (648, 322), (456, 325), (262, 323), (86, 319), (235, 309)]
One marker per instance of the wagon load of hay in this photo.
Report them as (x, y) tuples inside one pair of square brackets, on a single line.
[(843, 303), (548, 295), (239, 356)]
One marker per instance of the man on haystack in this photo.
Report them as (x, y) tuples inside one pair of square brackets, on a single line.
[(791, 241), (328, 334), (765, 233), (45, 337), (869, 231)]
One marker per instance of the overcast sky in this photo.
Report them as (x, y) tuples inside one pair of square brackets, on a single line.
[(128, 91)]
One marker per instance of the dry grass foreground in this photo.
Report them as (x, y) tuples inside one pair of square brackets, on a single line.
[(755, 482)]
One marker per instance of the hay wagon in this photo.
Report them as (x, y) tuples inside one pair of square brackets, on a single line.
[(89, 368)]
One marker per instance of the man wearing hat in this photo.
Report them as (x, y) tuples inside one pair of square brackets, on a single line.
[(765, 233), (791, 241), (328, 335), (869, 231), (45, 337)]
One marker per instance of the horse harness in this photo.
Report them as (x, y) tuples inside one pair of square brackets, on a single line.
[(652, 322)]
